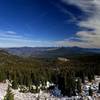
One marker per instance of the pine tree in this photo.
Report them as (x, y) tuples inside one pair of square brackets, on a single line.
[(15, 81), (79, 85), (90, 92), (91, 76), (14, 84), (99, 88), (83, 78)]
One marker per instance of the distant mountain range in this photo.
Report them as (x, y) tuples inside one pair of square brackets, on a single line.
[(50, 51)]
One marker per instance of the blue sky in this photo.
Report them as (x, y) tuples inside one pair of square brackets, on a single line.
[(49, 23)]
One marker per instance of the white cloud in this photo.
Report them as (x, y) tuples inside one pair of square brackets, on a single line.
[(92, 9), (85, 5), (66, 11), (11, 32), (9, 35), (13, 39)]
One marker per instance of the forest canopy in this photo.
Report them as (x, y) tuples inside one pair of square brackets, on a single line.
[(28, 71)]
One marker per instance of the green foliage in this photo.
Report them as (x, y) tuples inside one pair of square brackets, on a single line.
[(23, 89), (14, 84), (29, 71), (90, 92), (9, 95), (79, 86), (99, 88)]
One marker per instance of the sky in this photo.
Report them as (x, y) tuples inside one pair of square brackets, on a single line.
[(50, 23)]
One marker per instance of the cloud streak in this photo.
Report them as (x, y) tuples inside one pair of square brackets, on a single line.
[(13, 39), (91, 8)]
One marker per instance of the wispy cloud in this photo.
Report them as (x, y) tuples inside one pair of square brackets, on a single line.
[(62, 9), (13, 39), (10, 32), (91, 8), (65, 11)]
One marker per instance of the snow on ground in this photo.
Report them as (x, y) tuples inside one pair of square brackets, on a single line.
[(3, 89), (47, 96), (43, 96), (31, 96), (40, 96)]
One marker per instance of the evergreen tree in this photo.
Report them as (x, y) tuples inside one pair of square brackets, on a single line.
[(79, 86), (14, 84), (91, 76), (90, 92), (99, 88), (83, 77)]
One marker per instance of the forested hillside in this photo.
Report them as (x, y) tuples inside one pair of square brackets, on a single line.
[(28, 71)]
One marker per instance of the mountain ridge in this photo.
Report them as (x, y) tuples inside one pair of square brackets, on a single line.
[(49, 51)]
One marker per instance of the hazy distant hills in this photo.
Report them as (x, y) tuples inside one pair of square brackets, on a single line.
[(50, 51)]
